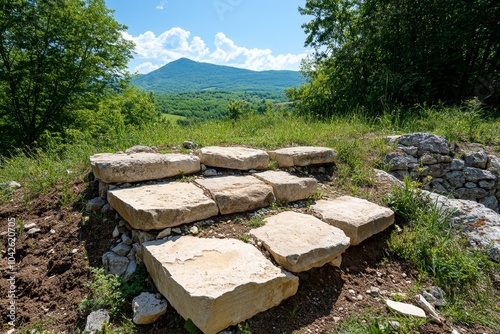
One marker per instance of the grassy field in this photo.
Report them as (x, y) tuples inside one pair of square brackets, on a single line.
[(357, 138)]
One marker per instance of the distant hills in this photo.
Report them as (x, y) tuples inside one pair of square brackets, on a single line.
[(185, 75)]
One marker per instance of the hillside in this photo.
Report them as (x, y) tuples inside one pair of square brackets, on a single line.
[(185, 75)]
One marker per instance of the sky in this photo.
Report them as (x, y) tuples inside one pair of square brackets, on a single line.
[(252, 34)]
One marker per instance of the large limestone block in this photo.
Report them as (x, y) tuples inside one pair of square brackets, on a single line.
[(216, 282), (299, 242), (241, 158), (289, 187), (158, 206), (238, 193), (303, 156), (358, 218), (136, 167)]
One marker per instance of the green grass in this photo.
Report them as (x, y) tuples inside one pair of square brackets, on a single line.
[(429, 244), (172, 118)]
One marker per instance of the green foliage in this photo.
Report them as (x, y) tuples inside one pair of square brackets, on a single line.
[(105, 293), (55, 56), (256, 221), (380, 53), (429, 244), (191, 327)]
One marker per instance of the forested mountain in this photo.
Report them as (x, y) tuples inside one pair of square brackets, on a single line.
[(185, 75)]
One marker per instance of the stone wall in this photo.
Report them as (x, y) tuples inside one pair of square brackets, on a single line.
[(463, 174)]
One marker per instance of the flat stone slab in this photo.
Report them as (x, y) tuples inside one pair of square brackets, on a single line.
[(241, 158), (136, 167), (238, 193), (216, 282), (289, 187), (299, 242), (407, 309), (303, 156), (358, 218), (155, 207)]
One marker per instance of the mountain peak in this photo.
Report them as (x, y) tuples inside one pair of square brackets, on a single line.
[(186, 75)]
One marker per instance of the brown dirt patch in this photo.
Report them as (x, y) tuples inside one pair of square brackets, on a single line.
[(52, 268)]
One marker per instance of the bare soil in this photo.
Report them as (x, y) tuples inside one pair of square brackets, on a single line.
[(52, 269)]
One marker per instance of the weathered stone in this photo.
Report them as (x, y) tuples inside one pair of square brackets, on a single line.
[(141, 237), (455, 178), (411, 150), (140, 149), (428, 308), (470, 193), (490, 202), (33, 231), (11, 185), (438, 294), (130, 271), (457, 164), (493, 164), (95, 204), (399, 161), (121, 249), (96, 320), (480, 225), (135, 167), (114, 264), (241, 158), (487, 184), (303, 156), (337, 262), (164, 205), (471, 185), (103, 190), (189, 145), (358, 218), (126, 239), (406, 309), (476, 159), (392, 140), (288, 187), (299, 242), (216, 282), (426, 142), (165, 233), (473, 174), (148, 308), (443, 158), (238, 193), (427, 159), (210, 172)]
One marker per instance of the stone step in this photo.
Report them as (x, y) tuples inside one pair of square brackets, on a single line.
[(238, 193), (287, 187), (159, 206), (303, 156), (358, 218), (241, 158), (216, 283), (299, 242), (136, 167)]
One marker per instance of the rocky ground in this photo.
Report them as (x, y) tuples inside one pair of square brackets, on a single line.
[(52, 269)]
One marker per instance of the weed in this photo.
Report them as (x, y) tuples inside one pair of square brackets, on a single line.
[(245, 237), (244, 329), (255, 221), (105, 293), (294, 311), (191, 327)]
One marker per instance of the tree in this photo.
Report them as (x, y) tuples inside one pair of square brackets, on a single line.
[(56, 55), (373, 52)]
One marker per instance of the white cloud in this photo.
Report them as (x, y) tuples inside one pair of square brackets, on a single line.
[(177, 43), (160, 5)]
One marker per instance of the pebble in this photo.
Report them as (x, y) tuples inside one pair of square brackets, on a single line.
[(177, 230), (165, 233), (33, 231), (194, 230), (116, 232), (29, 225), (210, 172)]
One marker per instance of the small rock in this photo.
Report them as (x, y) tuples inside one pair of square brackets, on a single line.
[(194, 230), (96, 320), (74, 251), (394, 324), (374, 291), (210, 172), (189, 145), (430, 298), (126, 240), (106, 208), (439, 294), (95, 204), (359, 297), (131, 268), (116, 232), (121, 249), (33, 231), (177, 230), (428, 308), (165, 233), (140, 148), (148, 308), (352, 292), (52, 231), (454, 331), (29, 225), (114, 264), (404, 308), (131, 255)]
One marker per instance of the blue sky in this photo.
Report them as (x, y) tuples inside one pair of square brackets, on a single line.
[(252, 34)]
